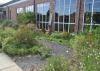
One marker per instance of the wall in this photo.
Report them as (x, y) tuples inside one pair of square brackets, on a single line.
[(11, 10)]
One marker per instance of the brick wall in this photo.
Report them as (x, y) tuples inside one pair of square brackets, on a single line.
[(11, 11)]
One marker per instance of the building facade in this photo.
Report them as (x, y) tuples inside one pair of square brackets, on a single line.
[(62, 15)]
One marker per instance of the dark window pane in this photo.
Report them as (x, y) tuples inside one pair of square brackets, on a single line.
[(66, 16), (57, 8), (38, 17), (96, 13), (40, 25), (65, 27), (88, 10), (56, 27), (71, 28), (60, 27), (46, 26), (43, 25), (87, 17), (72, 14)]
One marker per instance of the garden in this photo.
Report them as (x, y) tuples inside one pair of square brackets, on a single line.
[(23, 39)]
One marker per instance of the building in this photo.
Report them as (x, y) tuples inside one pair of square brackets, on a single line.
[(63, 15)]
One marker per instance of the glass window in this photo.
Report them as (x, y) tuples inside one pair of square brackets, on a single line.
[(56, 26), (20, 10), (92, 14), (56, 10), (64, 13), (43, 12), (61, 11), (29, 8), (88, 11), (96, 12), (61, 27)]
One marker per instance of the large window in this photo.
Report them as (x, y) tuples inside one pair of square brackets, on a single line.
[(96, 12), (65, 15), (20, 10), (91, 13), (43, 12), (29, 8)]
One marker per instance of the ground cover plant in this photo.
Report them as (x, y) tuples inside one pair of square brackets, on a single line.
[(87, 48), (20, 42), (57, 63), (58, 37)]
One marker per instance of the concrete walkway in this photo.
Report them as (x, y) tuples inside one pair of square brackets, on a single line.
[(6, 64)]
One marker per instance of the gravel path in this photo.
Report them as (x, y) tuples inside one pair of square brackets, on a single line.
[(58, 50), (27, 62)]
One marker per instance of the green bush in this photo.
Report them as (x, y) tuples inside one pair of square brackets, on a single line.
[(7, 23), (56, 35), (24, 37), (45, 52), (13, 51), (7, 32), (12, 47), (56, 64), (25, 18)]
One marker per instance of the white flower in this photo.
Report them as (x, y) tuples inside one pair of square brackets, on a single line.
[(67, 51)]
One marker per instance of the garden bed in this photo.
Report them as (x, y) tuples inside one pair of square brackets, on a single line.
[(29, 61)]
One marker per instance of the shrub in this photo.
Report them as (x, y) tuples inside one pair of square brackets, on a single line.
[(45, 52), (59, 35), (56, 64), (24, 37), (79, 42), (25, 18), (43, 30), (56, 35), (7, 22), (8, 32), (64, 34), (12, 49), (97, 31)]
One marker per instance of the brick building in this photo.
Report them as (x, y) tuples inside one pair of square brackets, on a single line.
[(63, 15)]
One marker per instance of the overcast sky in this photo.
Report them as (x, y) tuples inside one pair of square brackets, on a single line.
[(4, 1)]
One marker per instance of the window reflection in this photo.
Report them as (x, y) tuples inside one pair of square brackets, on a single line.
[(96, 13), (64, 14), (20, 10), (88, 13), (29, 8), (43, 11)]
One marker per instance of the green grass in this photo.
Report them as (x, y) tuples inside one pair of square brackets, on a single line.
[(56, 64)]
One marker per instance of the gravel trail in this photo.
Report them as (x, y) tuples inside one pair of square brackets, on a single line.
[(27, 62)]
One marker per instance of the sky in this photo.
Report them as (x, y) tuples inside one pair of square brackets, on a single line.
[(4, 1)]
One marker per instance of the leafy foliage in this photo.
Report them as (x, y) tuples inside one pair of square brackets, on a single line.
[(25, 18), (56, 64), (24, 37), (88, 51)]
